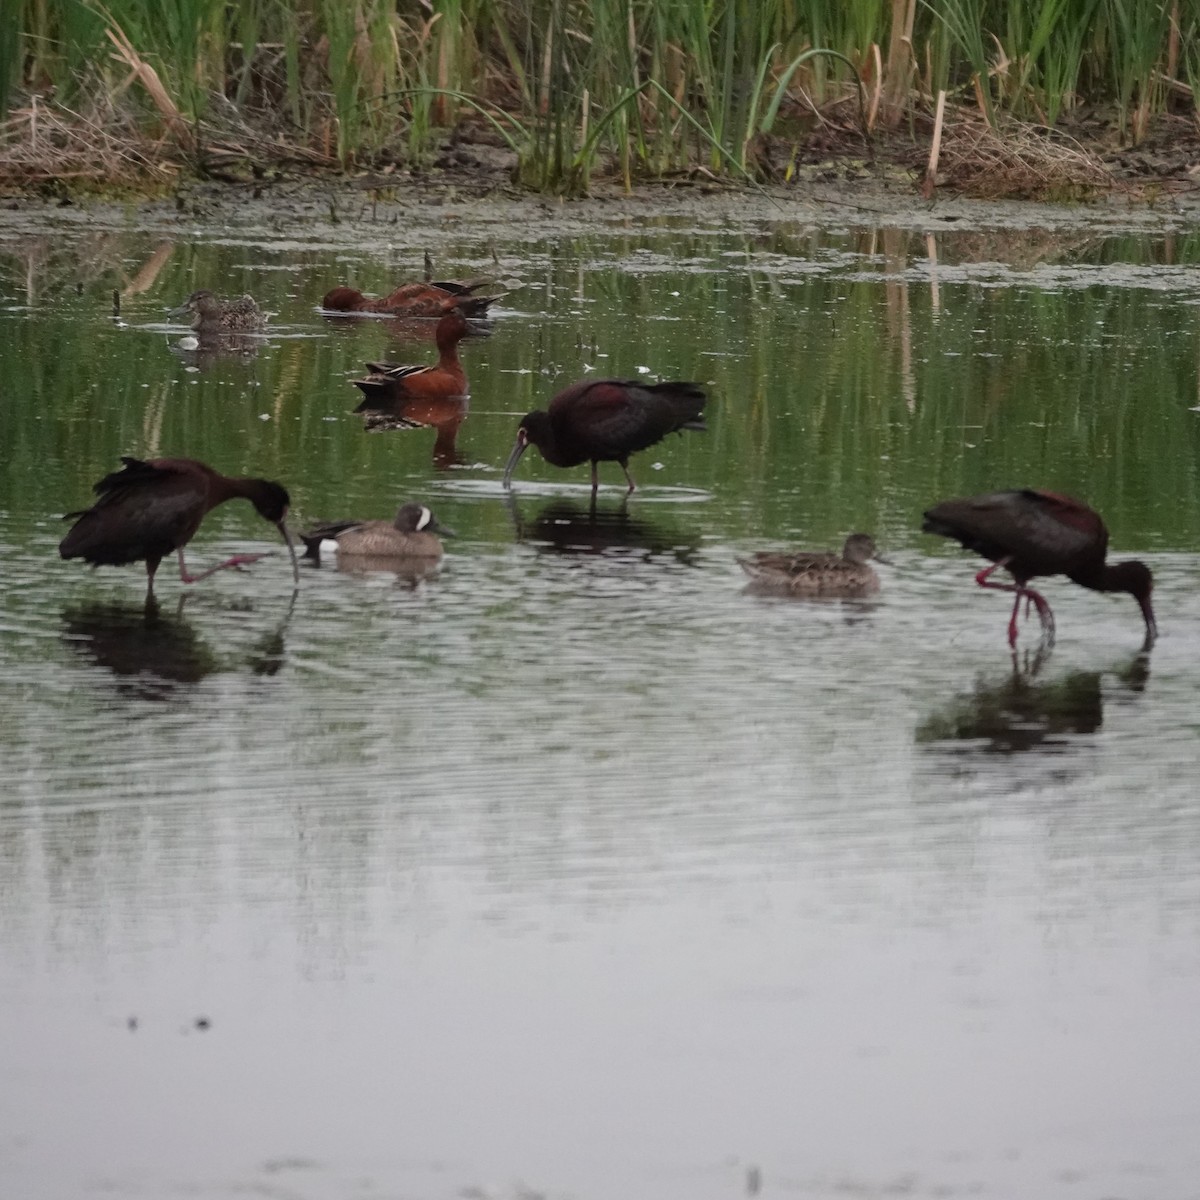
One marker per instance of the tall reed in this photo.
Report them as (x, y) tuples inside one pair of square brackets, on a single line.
[(642, 87)]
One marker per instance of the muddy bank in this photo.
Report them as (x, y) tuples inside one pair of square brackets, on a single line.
[(402, 213)]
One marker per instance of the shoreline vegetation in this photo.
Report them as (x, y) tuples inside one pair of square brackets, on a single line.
[(1041, 99)]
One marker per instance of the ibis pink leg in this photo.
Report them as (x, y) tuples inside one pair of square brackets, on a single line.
[(632, 485), (237, 562), (1036, 599)]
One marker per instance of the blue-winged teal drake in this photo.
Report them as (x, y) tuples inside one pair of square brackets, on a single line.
[(149, 509), (211, 314), (607, 420), (413, 534), (818, 573), (1032, 533)]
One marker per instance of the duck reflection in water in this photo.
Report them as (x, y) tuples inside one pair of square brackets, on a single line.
[(157, 655), (445, 415), (206, 352), (1023, 713), (568, 527), (417, 330)]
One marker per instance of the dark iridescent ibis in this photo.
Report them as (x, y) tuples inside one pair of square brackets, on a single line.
[(414, 300), (607, 420), (1032, 533), (210, 314), (149, 509), (413, 534), (388, 385), (817, 573)]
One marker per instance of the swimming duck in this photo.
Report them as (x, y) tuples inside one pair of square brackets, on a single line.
[(817, 573), (211, 314), (414, 299), (412, 535), (387, 385)]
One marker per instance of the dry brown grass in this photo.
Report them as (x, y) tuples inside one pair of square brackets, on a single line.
[(44, 144), (1016, 162)]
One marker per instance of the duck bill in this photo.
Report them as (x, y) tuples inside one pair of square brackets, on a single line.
[(287, 538), (521, 446), (181, 311)]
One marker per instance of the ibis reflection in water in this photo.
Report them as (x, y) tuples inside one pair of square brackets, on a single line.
[(1022, 712), (156, 654), (568, 527)]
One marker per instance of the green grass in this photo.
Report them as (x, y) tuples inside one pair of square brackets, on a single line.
[(627, 87)]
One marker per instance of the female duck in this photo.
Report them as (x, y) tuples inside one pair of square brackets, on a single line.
[(211, 314), (815, 573)]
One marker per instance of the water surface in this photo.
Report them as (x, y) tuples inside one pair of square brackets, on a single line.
[(577, 870)]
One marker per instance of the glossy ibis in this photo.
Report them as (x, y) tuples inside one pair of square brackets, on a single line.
[(148, 509), (1032, 533), (413, 534), (815, 573), (387, 386), (607, 420), (414, 300), (210, 314)]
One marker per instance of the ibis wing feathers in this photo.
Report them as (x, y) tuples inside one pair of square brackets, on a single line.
[(620, 417), (145, 510), (1040, 532)]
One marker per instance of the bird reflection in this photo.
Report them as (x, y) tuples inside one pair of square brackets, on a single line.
[(157, 654), (568, 527), (205, 351), (1024, 713), (445, 415), (153, 651), (402, 329), (408, 572)]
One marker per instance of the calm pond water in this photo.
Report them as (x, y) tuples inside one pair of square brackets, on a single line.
[(578, 871)]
